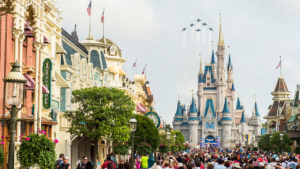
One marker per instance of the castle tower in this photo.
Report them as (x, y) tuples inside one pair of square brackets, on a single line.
[(213, 63), (243, 123), (193, 122), (255, 121), (229, 73), (178, 117), (220, 79), (226, 122), (200, 87)]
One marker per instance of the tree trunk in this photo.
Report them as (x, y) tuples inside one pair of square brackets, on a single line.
[(95, 158)]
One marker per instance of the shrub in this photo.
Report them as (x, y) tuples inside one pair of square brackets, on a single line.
[(163, 148), (38, 151), (121, 148), (143, 148), (288, 149), (297, 150), (255, 149)]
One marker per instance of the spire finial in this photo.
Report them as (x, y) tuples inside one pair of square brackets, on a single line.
[(200, 71), (178, 97), (221, 41)]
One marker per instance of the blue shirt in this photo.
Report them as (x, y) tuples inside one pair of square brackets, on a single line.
[(220, 167)]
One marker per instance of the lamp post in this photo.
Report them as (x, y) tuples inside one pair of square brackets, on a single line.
[(175, 139), (133, 126), (14, 85), (281, 139), (168, 138), (271, 138)]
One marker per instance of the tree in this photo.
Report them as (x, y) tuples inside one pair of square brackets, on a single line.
[(179, 137), (264, 125), (146, 132), (264, 141), (164, 140), (275, 140), (101, 112)]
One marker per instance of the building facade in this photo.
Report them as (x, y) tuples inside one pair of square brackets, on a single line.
[(215, 114)]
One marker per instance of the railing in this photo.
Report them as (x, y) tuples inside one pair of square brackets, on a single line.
[(294, 134)]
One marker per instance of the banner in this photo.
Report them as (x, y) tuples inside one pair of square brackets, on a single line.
[(47, 68)]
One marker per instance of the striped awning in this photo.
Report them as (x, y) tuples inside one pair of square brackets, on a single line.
[(32, 84), (139, 108), (292, 119)]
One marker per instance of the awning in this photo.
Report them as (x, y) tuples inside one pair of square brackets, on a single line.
[(112, 69), (32, 84), (59, 49), (292, 119), (27, 26), (139, 108), (28, 33), (144, 107), (61, 81), (121, 72), (46, 40)]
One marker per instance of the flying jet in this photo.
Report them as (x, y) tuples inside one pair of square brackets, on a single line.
[(210, 29), (198, 30), (198, 20), (183, 29), (192, 24), (204, 24)]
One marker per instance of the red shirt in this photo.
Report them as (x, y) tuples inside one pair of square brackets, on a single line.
[(186, 160), (104, 165), (260, 159)]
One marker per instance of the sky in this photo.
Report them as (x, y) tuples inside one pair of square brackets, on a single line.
[(258, 33)]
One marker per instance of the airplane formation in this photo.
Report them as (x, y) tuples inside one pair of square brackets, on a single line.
[(198, 30)]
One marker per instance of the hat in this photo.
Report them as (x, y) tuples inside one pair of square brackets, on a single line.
[(66, 157), (236, 165), (283, 157), (277, 159), (293, 158), (261, 164)]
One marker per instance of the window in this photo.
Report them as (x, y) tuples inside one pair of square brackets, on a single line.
[(228, 103), (208, 84), (78, 68), (208, 78), (84, 71)]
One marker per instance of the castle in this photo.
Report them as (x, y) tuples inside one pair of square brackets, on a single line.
[(214, 114)]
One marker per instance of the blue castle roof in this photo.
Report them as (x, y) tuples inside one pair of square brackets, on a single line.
[(243, 119), (225, 118), (207, 70), (193, 118), (184, 109), (200, 79), (256, 110), (179, 109), (193, 107), (229, 64), (232, 88), (213, 57), (209, 103), (178, 119), (238, 104), (226, 109)]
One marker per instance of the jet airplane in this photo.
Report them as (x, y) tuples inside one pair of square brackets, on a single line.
[(204, 24), (198, 20), (183, 29), (198, 30), (210, 29), (192, 24)]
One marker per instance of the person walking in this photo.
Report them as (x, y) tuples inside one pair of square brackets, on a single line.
[(65, 164), (60, 161), (144, 161), (82, 164)]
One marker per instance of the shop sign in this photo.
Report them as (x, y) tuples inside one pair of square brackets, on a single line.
[(54, 104), (47, 68)]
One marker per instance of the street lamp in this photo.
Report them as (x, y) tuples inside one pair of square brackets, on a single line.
[(281, 139), (168, 138), (133, 126), (175, 139), (14, 85)]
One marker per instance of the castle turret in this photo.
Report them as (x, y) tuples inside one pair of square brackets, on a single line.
[(226, 122), (243, 123), (193, 122), (255, 121), (213, 63), (200, 87), (178, 117)]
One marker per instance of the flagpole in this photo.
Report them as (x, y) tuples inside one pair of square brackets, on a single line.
[(91, 20), (103, 22)]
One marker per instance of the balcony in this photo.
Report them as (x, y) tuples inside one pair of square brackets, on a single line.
[(294, 134)]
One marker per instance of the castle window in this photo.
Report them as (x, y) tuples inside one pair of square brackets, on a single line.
[(228, 103), (208, 78), (208, 84)]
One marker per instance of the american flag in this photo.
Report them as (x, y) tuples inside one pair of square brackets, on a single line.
[(102, 18), (279, 64), (134, 64), (143, 71), (89, 9)]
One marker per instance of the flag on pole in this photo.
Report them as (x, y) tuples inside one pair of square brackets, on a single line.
[(143, 71), (102, 18), (89, 9), (279, 64), (134, 65)]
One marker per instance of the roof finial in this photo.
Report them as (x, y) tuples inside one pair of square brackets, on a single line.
[(178, 97), (221, 41), (200, 71)]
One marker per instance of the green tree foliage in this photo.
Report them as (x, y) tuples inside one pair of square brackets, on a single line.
[(121, 148), (101, 111), (146, 132), (264, 141), (164, 140), (288, 149), (179, 137), (38, 151), (1, 157), (264, 125), (275, 140)]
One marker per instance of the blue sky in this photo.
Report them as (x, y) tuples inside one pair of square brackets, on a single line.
[(258, 32)]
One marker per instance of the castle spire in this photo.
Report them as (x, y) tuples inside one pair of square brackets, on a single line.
[(226, 109), (256, 109), (179, 109), (213, 57), (229, 64), (243, 119), (193, 107), (221, 40), (200, 70)]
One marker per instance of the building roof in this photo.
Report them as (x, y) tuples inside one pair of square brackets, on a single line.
[(209, 103), (277, 108), (178, 119), (243, 119), (73, 40), (184, 109), (225, 118), (256, 110), (281, 86), (213, 57), (193, 107), (200, 78), (179, 110), (110, 43), (184, 124), (238, 104), (193, 118), (226, 109), (232, 88), (208, 69)]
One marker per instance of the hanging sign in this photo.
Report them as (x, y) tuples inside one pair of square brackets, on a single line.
[(47, 67)]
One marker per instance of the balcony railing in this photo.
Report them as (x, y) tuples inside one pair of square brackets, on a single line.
[(294, 134)]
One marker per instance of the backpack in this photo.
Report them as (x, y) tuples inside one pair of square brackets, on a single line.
[(293, 166), (58, 163)]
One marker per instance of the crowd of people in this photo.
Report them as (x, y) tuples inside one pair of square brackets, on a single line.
[(208, 158)]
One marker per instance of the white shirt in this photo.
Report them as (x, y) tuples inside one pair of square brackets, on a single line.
[(289, 164), (283, 164)]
